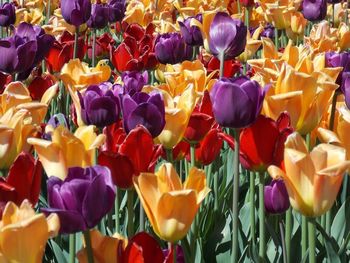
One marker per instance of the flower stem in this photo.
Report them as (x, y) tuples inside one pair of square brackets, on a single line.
[(303, 236), (334, 104), (193, 158), (216, 192), (87, 238), (222, 63), (252, 206), (71, 248), (288, 232), (76, 38), (48, 11), (93, 47), (276, 39), (130, 206), (142, 218), (283, 242), (174, 252), (116, 211), (312, 243), (235, 198), (262, 243)]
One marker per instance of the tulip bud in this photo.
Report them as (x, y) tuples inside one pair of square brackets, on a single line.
[(276, 197)]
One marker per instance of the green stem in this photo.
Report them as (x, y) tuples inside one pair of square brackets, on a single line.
[(193, 157), (288, 232), (283, 242), (169, 155), (71, 248), (116, 211), (87, 238), (328, 222), (312, 241), (344, 190), (252, 206), (142, 218), (130, 207), (48, 11), (235, 198), (222, 63), (93, 47), (76, 39), (333, 13), (246, 20), (110, 220), (216, 192), (262, 242), (334, 107), (174, 253), (276, 38), (303, 236)]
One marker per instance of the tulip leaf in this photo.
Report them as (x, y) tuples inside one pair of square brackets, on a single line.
[(59, 255), (332, 256), (340, 222)]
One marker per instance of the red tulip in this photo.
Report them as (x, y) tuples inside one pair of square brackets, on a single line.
[(23, 181), (201, 120), (262, 144), (39, 85), (136, 52), (103, 46), (130, 156), (62, 51), (4, 80)]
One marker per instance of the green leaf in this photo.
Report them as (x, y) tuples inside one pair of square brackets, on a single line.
[(59, 255), (340, 223)]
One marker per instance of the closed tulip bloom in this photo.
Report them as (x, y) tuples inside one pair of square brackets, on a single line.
[(165, 198), (237, 102), (227, 36), (99, 106), (170, 48), (144, 109), (320, 172), (82, 199), (342, 59), (191, 33), (116, 10), (99, 16), (67, 150), (315, 10), (7, 14), (262, 143), (134, 81), (24, 234), (276, 197), (76, 12)]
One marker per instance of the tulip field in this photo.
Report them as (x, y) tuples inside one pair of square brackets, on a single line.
[(173, 131)]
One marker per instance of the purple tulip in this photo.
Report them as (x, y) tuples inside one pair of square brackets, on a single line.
[(314, 10), (134, 81), (171, 48), (55, 121), (7, 14), (116, 10), (82, 199), (191, 34), (146, 110), (99, 106), (333, 1), (99, 16), (276, 197), (237, 102), (76, 12), (342, 59), (227, 36), (180, 256), (269, 32)]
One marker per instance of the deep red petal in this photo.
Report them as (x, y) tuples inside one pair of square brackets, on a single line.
[(209, 148)]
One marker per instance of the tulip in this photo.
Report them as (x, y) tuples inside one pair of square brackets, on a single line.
[(276, 197), (164, 189), (237, 102), (170, 48), (134, 81), (62, 51), (7, 14), (269, 32), (136, 52), (262, 143), (116, 10), (82, 199), (191, 33), (78, 75), (177, 116), (23, 181), (128, 155), (342, 59), (76, 12), (67, 150), (18, 243), (99, 106), (315, 10), (99, 16), (103, 45), (144, 109), (227, 36), (39, 85), (321, 172)]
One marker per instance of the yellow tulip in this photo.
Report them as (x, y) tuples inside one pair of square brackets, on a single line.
[(252, 46), (177, 115), (67, 150), (193, 7), (312, 179), (165, 198), (78, 75), (105, 248), (32, 16), (297, 26), (23, 234)]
